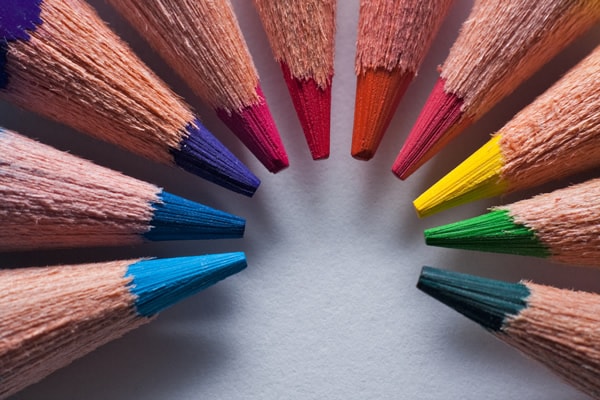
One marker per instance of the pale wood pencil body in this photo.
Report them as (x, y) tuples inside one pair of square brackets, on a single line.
[(79, 72), (301, 33), (561, 329), (567, 221), (52, 316), (395, 34), (563, 120), (54, 199), (205, 47), (504, 42)]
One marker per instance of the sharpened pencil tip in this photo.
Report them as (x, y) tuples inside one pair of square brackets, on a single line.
[(160, 283), (202, 154), (176, 218), (313, 106), (440, 121), (485, 301), (378, 93), (255, 127)]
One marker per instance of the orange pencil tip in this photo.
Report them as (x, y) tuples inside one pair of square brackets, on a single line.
[(378, 92)]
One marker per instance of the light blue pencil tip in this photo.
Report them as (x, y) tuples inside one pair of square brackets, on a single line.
[(176, 218), (160, 283)]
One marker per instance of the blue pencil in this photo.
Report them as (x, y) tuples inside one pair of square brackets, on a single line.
[(59, 59), (53, 199), (51, 316)]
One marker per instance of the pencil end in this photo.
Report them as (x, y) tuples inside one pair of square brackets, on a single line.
[(485, 301), (313, 106), (176, 218), (202, 154), (160, 283), (440, 121), (478, 177), (255, 127), (495, 232), (378, 93)]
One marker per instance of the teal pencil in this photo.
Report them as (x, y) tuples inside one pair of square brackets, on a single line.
[(557, 327), (54, 315)]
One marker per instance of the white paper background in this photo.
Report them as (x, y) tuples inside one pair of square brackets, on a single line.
[(327, 307)]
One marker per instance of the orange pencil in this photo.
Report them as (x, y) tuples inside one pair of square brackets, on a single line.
[(301, 33), (393, 39)]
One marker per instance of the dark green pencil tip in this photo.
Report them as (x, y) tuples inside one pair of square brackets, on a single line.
[(485, 301), (494, 232)]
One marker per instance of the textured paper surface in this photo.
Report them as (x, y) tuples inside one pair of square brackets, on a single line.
[(327, 307)]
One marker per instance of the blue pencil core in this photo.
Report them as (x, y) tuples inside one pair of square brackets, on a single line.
[(202, 154), (176, 218), (160, 283)]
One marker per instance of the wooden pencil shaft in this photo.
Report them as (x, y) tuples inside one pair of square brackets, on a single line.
[(396, 34), (566, 221), (502, 43), (52, 316), (202, 42), (301, 33), (559, 133), (53, 199)]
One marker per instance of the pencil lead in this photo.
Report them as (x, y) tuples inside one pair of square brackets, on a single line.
[(255, 127), (176, 218), (378, 92), (441, 116), (478, 177), (495, 231), (313, 106), (160, 283), (485, 301), (202, 154)]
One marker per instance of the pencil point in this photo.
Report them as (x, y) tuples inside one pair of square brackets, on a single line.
[(255, 127), (478, 177), (440, 120), (160, 283), (202, 154), (176, 218), (485, 301), (378, 92), (313, 106), (495, 232)]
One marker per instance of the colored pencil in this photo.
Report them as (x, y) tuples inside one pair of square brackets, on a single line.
[(501, 44), (555, 136), (557, 327), (52, 316), (563, 225), (301, 33), (202, 42), (59, 59), (52, 199), (393, 39)]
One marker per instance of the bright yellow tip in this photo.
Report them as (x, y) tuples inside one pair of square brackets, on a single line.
[(478, 177)]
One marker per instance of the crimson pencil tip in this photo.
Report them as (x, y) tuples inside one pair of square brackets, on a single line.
[(378, 93), (440, 121), (255, 127), (313, 106)]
